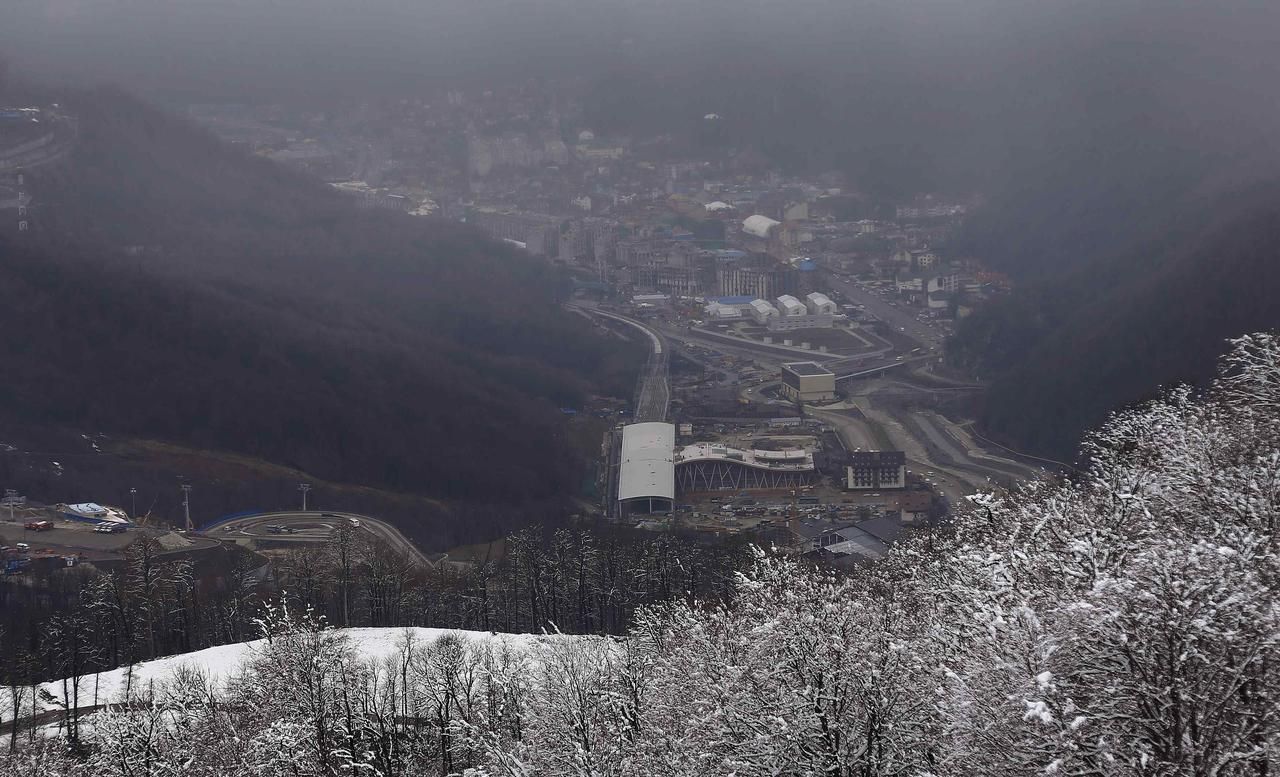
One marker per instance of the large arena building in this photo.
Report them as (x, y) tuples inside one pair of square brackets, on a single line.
[(646, 470)]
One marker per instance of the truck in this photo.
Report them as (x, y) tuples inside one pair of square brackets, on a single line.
[(38, 525)]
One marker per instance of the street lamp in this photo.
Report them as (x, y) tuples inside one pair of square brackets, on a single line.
[(133, 494), (304, 488)]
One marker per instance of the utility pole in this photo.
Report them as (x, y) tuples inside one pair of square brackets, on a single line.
[(10, 496), (133, 494), (304, 488), (186, 503)]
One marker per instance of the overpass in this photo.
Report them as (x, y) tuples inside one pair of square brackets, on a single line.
[(879, 369)]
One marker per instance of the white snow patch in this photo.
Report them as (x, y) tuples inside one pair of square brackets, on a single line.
[(1038, 710), (222, 663)]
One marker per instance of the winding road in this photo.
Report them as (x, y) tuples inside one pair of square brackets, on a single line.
[(313, 527)]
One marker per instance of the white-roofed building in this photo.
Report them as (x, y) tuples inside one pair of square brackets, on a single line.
[(759, 226), (646, 469), (88, 510), (722, 312), (94, 512), (790, 306), (718, 206), (819, 304), (763, 312)]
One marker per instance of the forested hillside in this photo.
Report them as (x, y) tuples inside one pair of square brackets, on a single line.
[(175, 289), (1115, 301), (1123, 623)]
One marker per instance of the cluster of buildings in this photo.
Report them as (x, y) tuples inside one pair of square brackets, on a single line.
[(775, 486), (653, 469), (627, 214), (786, 313)]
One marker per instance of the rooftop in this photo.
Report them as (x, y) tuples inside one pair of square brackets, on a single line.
[(648, 464), (806, 369), (877, 458), (794, 459), (758, 225)]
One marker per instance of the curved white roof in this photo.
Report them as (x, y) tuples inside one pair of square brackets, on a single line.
[(758, 225), (718, 205), (648, 462), (794, 460), (763, 308)]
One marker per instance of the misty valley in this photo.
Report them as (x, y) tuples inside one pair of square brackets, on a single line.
[(634, 388)]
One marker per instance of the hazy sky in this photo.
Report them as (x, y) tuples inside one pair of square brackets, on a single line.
[(1012, 74)]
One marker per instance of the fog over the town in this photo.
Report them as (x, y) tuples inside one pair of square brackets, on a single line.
[(984, 80), (514, 388)]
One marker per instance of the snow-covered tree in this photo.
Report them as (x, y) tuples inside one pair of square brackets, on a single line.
[(1124, 621)]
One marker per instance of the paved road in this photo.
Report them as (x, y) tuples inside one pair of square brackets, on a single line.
[(930, 442), (856, 434), (898, 318), (316, 527)]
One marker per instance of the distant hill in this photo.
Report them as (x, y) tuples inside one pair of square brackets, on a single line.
[(175, 289), (1146, 304)]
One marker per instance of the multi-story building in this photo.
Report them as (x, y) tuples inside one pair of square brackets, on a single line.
[(876, 470), (539, 232), (672, 266), (808, 382), (764, 282)]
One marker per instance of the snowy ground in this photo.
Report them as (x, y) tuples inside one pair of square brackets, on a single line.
[(223, 662)]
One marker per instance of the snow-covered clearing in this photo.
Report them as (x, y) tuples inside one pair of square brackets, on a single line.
[(222, 663)]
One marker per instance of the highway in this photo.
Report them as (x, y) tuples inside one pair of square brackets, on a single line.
[(313, 527), (857, 433), (943, 452), (899, 318), (932, 443)]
